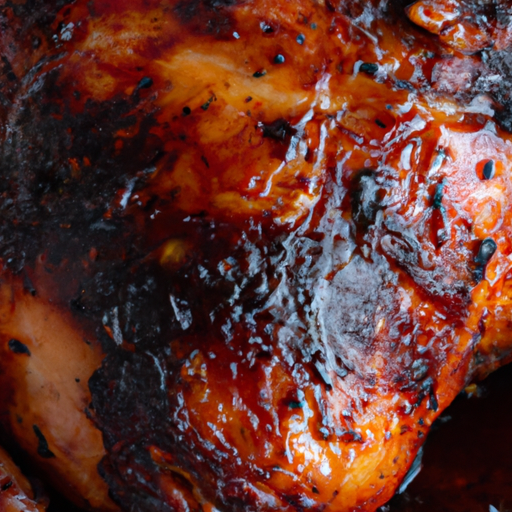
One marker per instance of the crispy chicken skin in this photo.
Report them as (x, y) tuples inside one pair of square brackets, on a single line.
[(250, 249)]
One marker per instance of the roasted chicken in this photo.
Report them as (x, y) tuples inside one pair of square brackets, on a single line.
[(249, 249)]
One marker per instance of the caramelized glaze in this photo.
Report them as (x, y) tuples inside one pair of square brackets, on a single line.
[(278, 234)]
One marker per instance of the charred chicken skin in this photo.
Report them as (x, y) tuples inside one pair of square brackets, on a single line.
[(250, 250)]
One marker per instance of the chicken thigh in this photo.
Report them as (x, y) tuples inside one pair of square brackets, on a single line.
[(250, 249)]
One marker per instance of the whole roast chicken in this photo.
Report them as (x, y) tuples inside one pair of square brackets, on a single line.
[(249, 249)]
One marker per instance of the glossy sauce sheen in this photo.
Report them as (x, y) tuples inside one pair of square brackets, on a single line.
[(287, 225)]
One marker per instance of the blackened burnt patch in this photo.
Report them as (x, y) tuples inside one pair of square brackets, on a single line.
[(209, 17), (7, 70), (60, 169), (500, 64), (18, 348), (279, 130), (128, 386), (133, 299), (42, 448)]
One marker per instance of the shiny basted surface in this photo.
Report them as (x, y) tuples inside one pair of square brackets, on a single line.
[(251, 249)]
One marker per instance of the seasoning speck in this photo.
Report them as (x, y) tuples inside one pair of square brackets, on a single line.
[(279, 59), (370, 68), (236, 35), (145, 83), (186, 111), (301, 38), (488, 170), (260, 73), (205, 105), (486, 251)]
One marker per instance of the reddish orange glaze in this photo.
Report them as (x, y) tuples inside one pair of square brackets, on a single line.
[(273, 236)]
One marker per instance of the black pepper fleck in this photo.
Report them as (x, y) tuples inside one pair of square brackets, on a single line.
[(301, 38), (260, 73), (279, 59), (186, 111)]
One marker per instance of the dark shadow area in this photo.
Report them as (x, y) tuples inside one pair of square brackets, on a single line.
[(467, 464)]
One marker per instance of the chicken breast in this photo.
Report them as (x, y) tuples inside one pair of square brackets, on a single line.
[(250, 249)]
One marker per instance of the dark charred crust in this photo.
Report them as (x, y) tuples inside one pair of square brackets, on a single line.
[(500, 64), (43, 449), (280, 130), (208, 16), (43, 186)]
